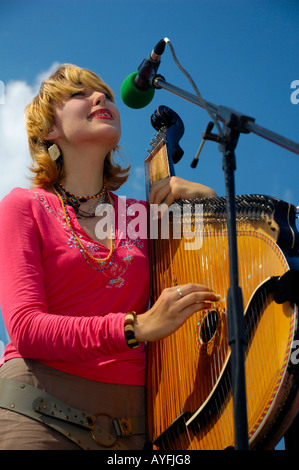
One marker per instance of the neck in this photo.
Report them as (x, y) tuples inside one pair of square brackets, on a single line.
[(84, 176), (83, 184)]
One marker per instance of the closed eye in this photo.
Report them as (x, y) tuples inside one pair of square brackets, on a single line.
[(85, 92), (77, 93), (108, 96)]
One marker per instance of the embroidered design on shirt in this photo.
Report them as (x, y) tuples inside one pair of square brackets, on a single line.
[(130, 247), (126, 250), (59, 215)]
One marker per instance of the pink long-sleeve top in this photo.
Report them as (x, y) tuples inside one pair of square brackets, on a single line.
[(58, 309)]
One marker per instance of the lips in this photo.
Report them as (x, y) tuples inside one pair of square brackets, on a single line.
[(101, 114)]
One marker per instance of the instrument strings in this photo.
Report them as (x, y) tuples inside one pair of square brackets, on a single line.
[(190, 370)]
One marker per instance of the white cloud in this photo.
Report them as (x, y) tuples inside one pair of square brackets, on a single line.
[(14, 154), (15, 159)]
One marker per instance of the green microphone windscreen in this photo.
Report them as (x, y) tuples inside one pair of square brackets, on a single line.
[(133, 97)]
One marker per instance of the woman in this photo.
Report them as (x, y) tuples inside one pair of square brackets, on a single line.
[(69, 290)]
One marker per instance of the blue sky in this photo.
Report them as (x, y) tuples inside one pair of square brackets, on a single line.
[(241, 53)]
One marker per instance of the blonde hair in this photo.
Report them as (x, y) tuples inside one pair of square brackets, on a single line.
[(39, 116)]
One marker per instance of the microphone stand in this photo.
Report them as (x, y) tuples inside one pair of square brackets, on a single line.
[(234, 123)]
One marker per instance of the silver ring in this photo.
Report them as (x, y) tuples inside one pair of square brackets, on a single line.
[(180, 292)]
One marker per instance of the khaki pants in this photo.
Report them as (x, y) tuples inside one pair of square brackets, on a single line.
[(18, 432)]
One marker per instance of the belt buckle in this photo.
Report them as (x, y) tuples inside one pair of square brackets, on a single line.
[(97, 440)]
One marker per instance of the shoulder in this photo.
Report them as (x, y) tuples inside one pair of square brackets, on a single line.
[(15, 198), (21, 201), (15, 213), (16, 193)]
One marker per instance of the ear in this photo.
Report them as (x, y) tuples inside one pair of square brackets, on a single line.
[(53, 134)]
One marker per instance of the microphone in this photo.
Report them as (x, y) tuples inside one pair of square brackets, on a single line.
[(137, 90)]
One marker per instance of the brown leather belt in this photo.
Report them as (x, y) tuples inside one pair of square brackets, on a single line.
[(77, 425)]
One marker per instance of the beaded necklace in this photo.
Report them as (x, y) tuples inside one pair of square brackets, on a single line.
[(103, 263), (76, 201), (83, 198)]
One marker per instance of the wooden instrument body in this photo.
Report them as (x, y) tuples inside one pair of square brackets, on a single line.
[(189, 393)]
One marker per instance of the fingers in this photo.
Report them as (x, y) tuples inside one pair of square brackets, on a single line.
[(169, 189), (184, 300), (164, 190), (158, 192), (193, 297), (174, 306), (195, 292)]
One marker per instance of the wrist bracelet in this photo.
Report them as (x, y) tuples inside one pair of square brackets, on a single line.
[(129, 330)]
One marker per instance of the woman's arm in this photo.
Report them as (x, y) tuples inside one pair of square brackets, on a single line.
[(169, 189), (34, 331)]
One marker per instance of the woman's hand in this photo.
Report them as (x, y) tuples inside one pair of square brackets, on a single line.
[(169, 189), (174, 306)]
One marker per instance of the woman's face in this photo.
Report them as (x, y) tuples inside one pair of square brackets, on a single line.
[(87, 117)]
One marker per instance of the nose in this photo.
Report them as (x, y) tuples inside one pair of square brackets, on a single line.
[(98, 97)]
